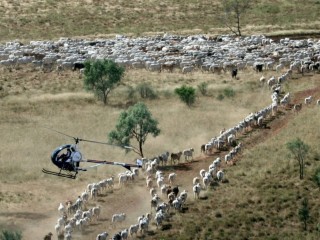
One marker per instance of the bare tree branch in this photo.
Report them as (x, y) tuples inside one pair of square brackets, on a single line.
[(233, 11)]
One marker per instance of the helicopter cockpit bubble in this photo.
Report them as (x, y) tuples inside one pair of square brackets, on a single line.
[(76, 156)]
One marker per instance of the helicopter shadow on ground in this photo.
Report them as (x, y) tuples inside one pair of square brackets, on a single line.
[(25, 215), (179, 167)]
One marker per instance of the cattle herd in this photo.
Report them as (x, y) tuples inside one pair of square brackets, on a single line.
[(169, 53)]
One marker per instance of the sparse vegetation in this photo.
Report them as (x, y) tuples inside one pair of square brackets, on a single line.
[(146, 91), (203, 88), (10, 235), (299, 150), (316, 177), (229, 92), (220, 97), (186, 94), (304, 213)]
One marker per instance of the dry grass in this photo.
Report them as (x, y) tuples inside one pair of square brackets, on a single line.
[(35, 19), (263, 194), (259, 201), (76, 113)]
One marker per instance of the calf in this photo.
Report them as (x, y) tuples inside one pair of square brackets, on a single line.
[(78, 66), (297, 107), (259, 67), (203, 148), (48, 236), (234, 73), (308, 100)]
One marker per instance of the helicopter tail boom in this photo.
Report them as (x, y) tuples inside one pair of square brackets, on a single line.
[(125, 165)]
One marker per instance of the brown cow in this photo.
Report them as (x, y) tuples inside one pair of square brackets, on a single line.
[(297, 107), (48, 236), (175, 156)]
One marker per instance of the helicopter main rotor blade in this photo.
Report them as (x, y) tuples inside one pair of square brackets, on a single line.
[(105, 143), (59, 132), (86, 140)]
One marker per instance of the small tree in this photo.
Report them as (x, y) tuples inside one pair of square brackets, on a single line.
[(304, 213), (135, 123), (232, 14), (186, 94), (299, 150), (101, 77)]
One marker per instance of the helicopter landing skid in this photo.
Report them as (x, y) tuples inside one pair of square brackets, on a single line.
[(59, 174)]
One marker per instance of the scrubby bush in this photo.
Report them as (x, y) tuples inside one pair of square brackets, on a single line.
[(146, 91), (229, 92), (186, 94), (220, 97), (130, 92), (10, 235), (203, 88)]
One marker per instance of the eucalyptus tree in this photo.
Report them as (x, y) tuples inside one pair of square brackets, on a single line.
[(101, 77), (134, 124)]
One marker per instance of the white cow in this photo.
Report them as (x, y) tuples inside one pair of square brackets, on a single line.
[(188, 153), (102, 236), (118, 217), (196, 190), (308, 100)]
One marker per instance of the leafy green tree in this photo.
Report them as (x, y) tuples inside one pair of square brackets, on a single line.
[(10, 235), (304, 213), (299, 150), (101, 77), (135, 123), (186, 94), (233, 10)]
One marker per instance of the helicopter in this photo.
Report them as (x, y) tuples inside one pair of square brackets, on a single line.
[(68, 157)]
